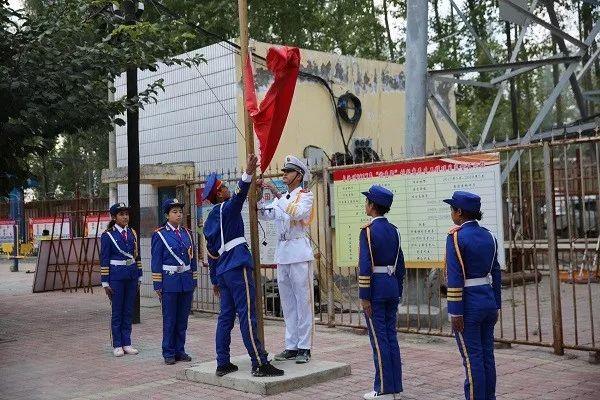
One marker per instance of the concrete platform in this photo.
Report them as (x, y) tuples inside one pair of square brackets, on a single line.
[(296, 375)]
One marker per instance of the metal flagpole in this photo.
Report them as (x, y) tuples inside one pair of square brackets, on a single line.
[(252, 194)]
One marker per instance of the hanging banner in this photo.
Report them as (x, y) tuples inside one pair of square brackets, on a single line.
[(418, 211), (37, 226), (7, 233)]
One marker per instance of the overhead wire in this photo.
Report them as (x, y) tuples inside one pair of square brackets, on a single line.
[(235, 48)]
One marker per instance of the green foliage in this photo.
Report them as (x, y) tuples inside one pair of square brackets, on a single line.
[(55, 67), (56, 61)]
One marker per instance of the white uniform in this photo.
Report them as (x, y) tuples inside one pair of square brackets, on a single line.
[(293, 213)]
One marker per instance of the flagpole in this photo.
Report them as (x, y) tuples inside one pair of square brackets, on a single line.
[(252, 194)]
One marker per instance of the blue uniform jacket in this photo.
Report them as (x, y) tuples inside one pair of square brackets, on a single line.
[(476, 258), (184, 249), (108, 252), (233, 227), (382, 250)]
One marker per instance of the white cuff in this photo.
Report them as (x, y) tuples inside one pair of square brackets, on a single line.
[(105, 284), (246, 178), (453, 315), (139, 279)]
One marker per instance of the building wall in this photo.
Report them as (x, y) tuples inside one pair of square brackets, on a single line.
[(189, 122), (193, 119), (379, 86)]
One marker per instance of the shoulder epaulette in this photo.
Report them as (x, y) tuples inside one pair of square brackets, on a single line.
[(453, 229), (366, 225), (159, 228)]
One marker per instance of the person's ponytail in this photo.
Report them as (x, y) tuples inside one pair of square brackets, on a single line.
[(111, 225)]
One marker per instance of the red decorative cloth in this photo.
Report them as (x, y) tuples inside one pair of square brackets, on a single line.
[(270, 116)]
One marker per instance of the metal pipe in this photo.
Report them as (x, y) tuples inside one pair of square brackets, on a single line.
[(569, 210), (328, 248), (534, 253), (557, 329), (416, 77), (252, 196), (112, 149)]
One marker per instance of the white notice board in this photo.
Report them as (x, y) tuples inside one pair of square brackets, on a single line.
[(418, 211)]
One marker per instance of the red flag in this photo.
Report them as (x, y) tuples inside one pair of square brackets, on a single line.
[(269, 117)]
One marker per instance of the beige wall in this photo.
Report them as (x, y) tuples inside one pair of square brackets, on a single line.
[(311, 121)]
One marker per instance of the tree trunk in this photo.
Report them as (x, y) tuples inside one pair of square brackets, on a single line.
[(587, 24), (555, 75), (513, 97), (387, 29), (563, 48), (375, 33)]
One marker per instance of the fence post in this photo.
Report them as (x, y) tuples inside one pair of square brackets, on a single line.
[(15, 266), (557, 328), (328, 250)]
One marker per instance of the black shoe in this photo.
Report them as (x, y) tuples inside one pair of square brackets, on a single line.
[(286, 355), (170, 360), (266, 370), (226, 369), (183, 357), (303, 356)]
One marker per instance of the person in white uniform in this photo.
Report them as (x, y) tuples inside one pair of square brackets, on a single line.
[(293, 213)]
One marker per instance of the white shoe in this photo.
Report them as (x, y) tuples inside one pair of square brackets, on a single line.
[(376, 396), (118, 352), (130, 350)]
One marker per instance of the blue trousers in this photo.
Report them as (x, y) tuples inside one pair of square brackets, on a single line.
[(384, 341), (237, 298), (176, 308), (476, 346), (123, 300)]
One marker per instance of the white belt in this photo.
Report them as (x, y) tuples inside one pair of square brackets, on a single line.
[(486, 280), (122, 262), (231, 244), (386, 269), (176, 268), (284, 238)]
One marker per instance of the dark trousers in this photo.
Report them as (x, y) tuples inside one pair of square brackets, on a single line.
[(384, 341), (476, 346), (123, 300), (176, 308), (237, 298)]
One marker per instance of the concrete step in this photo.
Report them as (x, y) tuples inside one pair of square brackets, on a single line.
[(296, 375)]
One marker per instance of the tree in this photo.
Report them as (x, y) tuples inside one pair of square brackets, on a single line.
[(55, 69)]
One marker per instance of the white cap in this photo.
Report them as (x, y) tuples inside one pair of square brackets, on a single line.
[(294, 163)]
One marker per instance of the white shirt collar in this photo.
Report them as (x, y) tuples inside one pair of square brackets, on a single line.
[(468, 222), (380, 217), (120, 229), (172, 227), (295, 190)]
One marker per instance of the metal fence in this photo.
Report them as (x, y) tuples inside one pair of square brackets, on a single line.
[(76, 208), (550, 289)]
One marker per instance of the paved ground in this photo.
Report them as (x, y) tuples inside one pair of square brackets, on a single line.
[(56, 346)]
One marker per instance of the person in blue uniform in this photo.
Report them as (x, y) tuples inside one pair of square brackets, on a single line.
[(381, 274), (174, 276), (473, 293), (231, 266), (120, 274)]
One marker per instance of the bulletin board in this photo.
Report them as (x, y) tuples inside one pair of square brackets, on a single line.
[(418, 211)]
